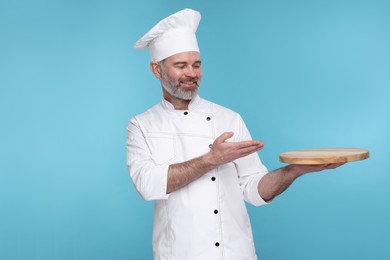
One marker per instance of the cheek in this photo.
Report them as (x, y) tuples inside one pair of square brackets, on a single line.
[(175, 75), (172, 77), (176, 78)]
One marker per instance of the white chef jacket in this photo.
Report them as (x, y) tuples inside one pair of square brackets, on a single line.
[(207, 219)]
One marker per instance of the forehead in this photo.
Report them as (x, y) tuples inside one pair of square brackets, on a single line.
[(187, 57)]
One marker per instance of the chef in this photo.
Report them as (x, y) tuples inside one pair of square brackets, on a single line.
[(195, 159)]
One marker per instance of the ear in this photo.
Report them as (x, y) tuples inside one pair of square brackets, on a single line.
[(155, 68)]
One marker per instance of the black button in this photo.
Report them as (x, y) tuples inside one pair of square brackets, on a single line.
[(208, 118), (210, 145), (217, 244), (215, 211), (186, 113), (213, 178)]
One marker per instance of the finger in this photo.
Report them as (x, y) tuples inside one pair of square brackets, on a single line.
[(334, 165), (249, 150), (223, 137), (252, 143)]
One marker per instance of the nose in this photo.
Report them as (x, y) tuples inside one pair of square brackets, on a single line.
[(190, 72)]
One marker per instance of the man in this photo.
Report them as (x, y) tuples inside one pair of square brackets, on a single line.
[(196, 159)]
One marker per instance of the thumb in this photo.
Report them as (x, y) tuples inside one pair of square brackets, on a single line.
[(223, 137)]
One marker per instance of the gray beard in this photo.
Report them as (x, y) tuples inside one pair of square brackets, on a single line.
[(175, 91)]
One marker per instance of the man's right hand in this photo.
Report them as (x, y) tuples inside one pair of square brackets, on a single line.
[(223, 151)]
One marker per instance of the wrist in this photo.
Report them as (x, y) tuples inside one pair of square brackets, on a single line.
[(294, 171), (209, 161)]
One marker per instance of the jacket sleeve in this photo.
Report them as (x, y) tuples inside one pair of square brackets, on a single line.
[(149, 178), (250, 170)]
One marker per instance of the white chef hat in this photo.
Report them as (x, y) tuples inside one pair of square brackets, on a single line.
[(174, 34)]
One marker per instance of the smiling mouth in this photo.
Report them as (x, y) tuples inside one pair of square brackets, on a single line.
[(189, 84)]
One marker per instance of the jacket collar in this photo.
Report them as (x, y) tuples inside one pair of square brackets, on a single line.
[(192, 105)]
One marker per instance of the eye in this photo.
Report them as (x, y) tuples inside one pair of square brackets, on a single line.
[(196, 66), (180, 66)]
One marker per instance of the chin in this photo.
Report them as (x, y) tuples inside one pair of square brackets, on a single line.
[(187, 95)]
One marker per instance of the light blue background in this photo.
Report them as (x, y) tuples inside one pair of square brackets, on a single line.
[(302, 74)]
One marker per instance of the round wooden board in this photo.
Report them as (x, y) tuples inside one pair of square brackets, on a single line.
[(324, 156)]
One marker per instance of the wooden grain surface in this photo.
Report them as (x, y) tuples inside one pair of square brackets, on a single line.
[(324, 156)]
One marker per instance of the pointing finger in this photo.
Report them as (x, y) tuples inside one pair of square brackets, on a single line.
[(248, 144)]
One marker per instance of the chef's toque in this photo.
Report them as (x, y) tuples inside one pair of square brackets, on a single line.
[(172, 35)]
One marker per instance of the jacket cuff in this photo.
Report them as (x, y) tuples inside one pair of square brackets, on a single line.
[(255, 197)]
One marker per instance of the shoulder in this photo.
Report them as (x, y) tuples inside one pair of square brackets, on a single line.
[(149, 115)]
